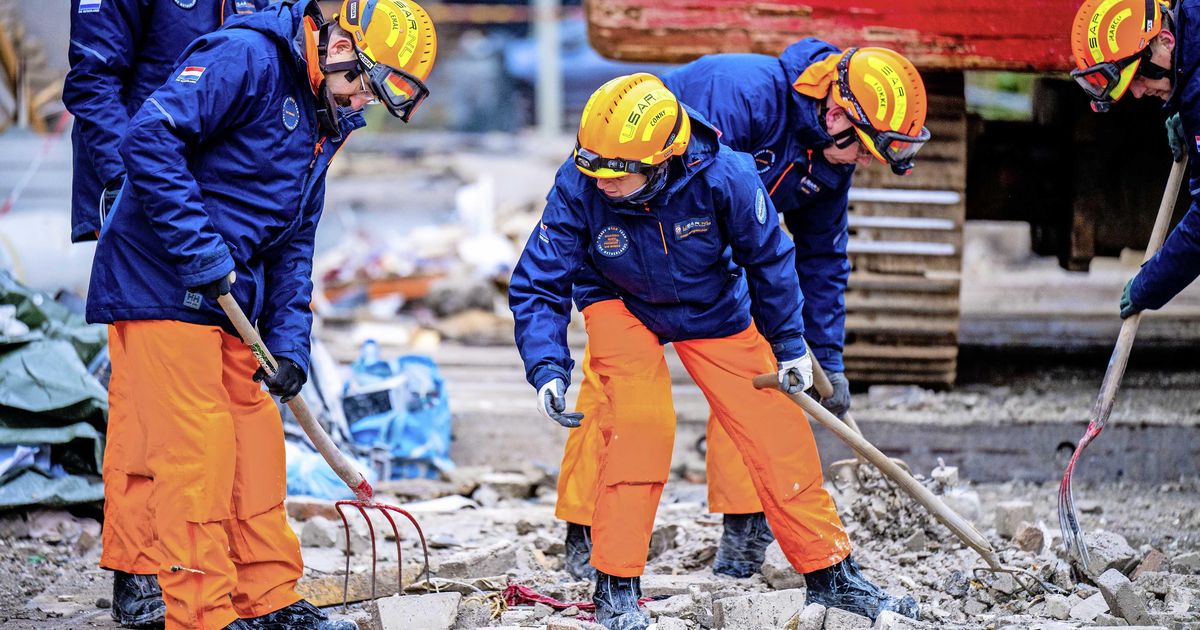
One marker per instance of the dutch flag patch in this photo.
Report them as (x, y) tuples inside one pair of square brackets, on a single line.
[(190, 74), (89, 6)]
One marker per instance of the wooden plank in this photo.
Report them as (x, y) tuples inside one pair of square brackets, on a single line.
[(864, 324), (897, 248), (327, 591), (902, 353), (907, 283), (1026, 35), (891, 304)]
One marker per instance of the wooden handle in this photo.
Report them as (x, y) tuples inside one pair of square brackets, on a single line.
[(1120, 355), (316, 434), (955, 523)]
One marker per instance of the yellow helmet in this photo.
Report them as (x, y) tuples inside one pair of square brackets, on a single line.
[(630, 125), (884, 97), (396, 45), (1110, 40)]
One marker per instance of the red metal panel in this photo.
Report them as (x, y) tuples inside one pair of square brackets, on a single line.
[(1027, 35)]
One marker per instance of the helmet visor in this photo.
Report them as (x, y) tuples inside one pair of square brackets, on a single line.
[(400, 91), (895, 148), (595, 165)]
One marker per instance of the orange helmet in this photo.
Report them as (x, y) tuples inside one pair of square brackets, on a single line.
[(396, 45), (630, 125), (1111, 43), (884, 97)]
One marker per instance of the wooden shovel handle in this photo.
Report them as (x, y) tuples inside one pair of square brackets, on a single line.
[(951, 519)]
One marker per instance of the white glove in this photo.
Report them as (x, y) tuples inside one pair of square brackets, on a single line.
[(552, 402), (796, 375)]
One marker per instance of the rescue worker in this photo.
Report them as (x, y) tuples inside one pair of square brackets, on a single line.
[(120, 51), (1147, 48), (805, 138), (226, 166), (644, 167)]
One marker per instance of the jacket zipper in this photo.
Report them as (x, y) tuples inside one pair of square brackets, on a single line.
[(661, 233)]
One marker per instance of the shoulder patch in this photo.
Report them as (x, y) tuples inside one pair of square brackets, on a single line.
[(89, 6), (764, 159), (185, 4), (291, 113), (544, 233), (760, 206), (244, 7), (612, 241), (191, 74)]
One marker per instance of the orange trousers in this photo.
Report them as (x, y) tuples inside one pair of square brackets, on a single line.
[(636, 425), (730, 489), (196, 458)]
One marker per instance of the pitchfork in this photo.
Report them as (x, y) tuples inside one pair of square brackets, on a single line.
[(1068, 517), (364, 494)]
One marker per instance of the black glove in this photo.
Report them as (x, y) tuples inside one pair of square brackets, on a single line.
[(1175, 137), (108, 196), (838, 403), (1127, 306), (214, 289), (286, 383)]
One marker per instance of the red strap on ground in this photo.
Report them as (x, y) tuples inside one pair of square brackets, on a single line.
[(518, 595)]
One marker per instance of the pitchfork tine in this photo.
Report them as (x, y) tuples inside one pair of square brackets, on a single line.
[(420, 533), (399, 552), (346, 580)]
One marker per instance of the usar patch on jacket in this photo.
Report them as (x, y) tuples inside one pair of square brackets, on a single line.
[(244, 7), (191, 74), (612, 241), (809, 186), (89, 6), (760, 206), (291, 113), (695, 225), (192, 300)]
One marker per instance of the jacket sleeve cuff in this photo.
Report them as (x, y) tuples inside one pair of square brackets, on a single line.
[(789, 349), (293, 355), (829, 358), (210, 267), (547, 372)]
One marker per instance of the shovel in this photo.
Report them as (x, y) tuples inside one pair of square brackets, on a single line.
[(959, 526), (364, 494)]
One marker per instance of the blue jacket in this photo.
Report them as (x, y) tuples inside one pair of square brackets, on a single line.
[(680, 264), (1177, 264), (226, 170), (750, 100), (120, 52)]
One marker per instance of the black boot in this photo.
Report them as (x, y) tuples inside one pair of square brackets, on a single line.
[(743, 545), (579, 552), (299, 616), (137, 601), (616, 601), (843, 586), (241, 624)]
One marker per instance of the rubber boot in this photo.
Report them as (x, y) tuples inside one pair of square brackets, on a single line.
[(843, 586), (579, 552), (241, 624), (743, 545), (300, 616), (137, 601), (616, 600)]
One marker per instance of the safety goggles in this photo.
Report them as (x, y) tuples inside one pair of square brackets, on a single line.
[(1100, 80), (592, 161), (400, 91), (896, 148)]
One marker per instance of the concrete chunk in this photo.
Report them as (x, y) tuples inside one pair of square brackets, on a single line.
[(1010, 514), (838, 619), (1057, 606), (811, 618), (1122, 598), (1107, 550), (762, 610), (497, 559), (889, 620), (670, 623), (1087, 609), (1029, 537), (436, 611), (778, 571)]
